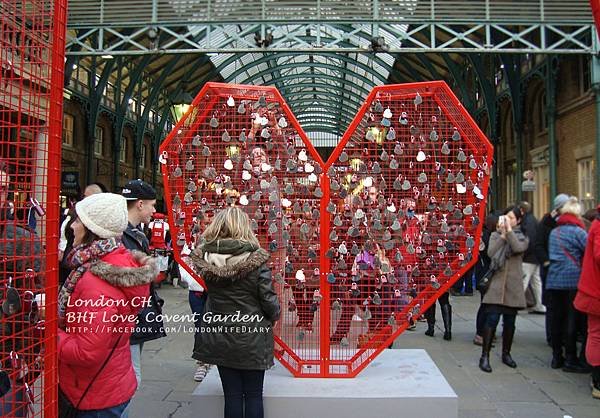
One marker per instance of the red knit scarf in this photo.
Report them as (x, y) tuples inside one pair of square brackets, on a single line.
[(570, 219)]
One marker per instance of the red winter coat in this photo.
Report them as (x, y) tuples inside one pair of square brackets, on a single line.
[(588, 295), (118, 285)]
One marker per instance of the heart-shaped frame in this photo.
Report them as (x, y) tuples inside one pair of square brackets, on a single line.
[(362, 244)]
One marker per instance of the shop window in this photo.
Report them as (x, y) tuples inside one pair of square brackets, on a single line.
[(143, 156), (99, 142), (585, 181), (511, 196), (123, 151), (584, 72), (67, 133)]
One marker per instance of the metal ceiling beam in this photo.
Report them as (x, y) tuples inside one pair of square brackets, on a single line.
[(513, 35)]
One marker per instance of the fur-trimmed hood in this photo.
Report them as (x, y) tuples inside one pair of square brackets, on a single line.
[(209, 271), (113, 270)]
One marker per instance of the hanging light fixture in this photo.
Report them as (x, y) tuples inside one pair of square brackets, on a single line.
[(181, 104)]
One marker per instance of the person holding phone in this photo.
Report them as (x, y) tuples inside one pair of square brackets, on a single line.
[(505, 295)]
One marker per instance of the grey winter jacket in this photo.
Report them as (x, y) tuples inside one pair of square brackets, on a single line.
[(237, 322), (506, 286)]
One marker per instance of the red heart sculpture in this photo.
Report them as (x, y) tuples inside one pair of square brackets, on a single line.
[(361, 244)]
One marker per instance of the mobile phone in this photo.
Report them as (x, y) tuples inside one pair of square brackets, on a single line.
[(501, 220)]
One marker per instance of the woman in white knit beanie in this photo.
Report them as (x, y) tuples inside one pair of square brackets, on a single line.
[(98, 306)]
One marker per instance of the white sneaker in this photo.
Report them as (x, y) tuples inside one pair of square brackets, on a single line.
[(201, 372), (538, 310)]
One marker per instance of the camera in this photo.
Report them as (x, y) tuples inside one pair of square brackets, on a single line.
[(501, 221)]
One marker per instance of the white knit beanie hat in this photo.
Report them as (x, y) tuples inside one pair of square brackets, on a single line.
[(105, 214)]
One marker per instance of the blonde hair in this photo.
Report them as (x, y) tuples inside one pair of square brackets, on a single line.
[(572, 206), (231, 223)]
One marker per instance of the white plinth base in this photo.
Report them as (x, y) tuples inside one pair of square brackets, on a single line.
[(403, 383)]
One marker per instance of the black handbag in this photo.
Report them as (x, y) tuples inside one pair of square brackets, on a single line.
[(484, 283), (148, 326), (66, 409)]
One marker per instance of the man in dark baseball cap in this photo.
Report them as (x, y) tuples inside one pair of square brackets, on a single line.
[(141, 202), (138, 190)]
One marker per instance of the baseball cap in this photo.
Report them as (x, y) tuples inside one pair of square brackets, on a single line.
[(138, 189)]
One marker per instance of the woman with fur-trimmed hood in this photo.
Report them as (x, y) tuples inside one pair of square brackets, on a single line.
[(98, 307), (237, 324)]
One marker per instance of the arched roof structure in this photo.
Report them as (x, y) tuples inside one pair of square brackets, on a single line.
[(324, 56)]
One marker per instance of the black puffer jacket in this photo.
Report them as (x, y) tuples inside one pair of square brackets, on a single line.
[(237, 323), (529, 226), (147, 327), (542, 238)]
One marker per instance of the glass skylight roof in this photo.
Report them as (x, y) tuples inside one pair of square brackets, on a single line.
[(318, 87)]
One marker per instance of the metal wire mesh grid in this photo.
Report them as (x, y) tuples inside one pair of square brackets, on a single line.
[(30, 132), (361, 245)]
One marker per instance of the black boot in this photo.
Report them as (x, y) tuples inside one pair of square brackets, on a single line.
[(430, 316), (582, 358), (484, 361), (447, 318), (507, 339), (557, 359), (572, 365)]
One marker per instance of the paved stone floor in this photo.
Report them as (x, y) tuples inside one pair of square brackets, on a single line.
[(531, 390)]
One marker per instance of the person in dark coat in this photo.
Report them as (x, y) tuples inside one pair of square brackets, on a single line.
[(531, 266), (505, 295), (542, 236), (141, 202), (236, 330)]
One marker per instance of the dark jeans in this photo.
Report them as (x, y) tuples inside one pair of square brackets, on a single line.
[(243, 390), (113, 412), (480, 321), (197, 301), (547, 302), (566, 321), (493, 318)]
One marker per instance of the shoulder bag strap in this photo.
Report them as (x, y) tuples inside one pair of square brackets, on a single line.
[(566, 252), (99, 371)]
